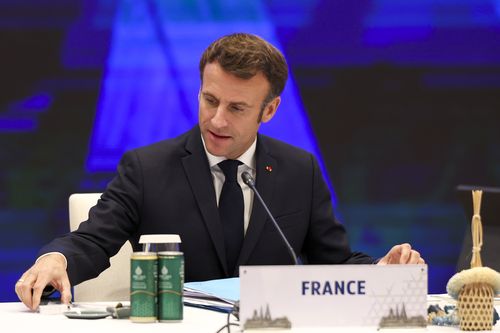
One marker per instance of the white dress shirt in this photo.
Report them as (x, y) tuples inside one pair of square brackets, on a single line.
[(248, 164)]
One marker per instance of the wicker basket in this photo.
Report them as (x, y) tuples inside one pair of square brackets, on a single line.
[(475, 307)]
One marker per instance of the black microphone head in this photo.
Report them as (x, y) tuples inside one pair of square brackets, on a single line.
[(247, 179)]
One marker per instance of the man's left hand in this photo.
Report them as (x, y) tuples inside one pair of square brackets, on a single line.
[(401, 254)]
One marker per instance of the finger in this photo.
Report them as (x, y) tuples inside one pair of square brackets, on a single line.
[(38, 287), (405, 253), (391, 257), (26, 289), (17, 286), (414, 257), (65, 289), (36, 295), (421, 261)]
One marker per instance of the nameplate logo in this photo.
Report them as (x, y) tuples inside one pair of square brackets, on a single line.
[(333, 295)]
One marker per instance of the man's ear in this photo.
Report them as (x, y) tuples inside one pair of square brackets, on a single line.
[(270, 109)]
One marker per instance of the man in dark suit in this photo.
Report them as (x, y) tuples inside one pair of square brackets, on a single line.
[(191, 185)]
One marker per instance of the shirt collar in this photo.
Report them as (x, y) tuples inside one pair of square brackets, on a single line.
[(247, 158)]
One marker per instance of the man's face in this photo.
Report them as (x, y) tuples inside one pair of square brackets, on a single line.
[(229, 110)]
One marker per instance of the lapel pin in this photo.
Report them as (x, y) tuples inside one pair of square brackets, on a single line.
[(269, 168)]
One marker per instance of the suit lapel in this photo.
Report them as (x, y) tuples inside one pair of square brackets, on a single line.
[(266, 170), (200, 180)]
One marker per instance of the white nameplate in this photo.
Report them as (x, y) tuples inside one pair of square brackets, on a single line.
[(333, 295)]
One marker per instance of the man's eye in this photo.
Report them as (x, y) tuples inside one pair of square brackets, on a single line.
[(210, 101), (236, 108)]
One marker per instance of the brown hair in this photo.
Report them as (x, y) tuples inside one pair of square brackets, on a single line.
[(244, 55)]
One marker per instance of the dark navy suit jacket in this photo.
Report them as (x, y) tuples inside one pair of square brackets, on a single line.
[(167, 188)]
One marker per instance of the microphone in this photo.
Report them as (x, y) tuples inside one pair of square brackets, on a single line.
[(248, 179)]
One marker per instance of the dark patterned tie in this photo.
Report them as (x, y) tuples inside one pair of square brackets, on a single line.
[(231, 208)]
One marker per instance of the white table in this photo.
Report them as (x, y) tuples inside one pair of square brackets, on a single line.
[(15, 317)]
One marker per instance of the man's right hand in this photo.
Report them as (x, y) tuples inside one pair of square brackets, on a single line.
[(50, 269)]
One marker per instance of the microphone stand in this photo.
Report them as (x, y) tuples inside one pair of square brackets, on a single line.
[(248, 179)]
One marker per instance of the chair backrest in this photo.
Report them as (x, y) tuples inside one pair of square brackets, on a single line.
[(114, 283)]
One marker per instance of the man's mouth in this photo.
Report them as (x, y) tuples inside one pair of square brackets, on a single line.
[(219, 136)]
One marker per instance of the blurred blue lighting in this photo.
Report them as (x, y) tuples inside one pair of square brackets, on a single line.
[(38, 102), (17, 125), (152, 93)]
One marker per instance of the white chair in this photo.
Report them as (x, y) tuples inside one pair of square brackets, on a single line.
[(114, 283)]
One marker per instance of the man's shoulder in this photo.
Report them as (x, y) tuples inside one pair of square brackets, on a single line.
[(281, 149), (174, 145)]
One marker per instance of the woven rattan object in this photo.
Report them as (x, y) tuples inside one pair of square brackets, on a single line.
[(475, 307), (476, 287)]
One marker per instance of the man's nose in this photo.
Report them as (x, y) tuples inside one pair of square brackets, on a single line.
[(219, 118)]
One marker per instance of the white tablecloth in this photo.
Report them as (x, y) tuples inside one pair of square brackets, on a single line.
[(15, 317)]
